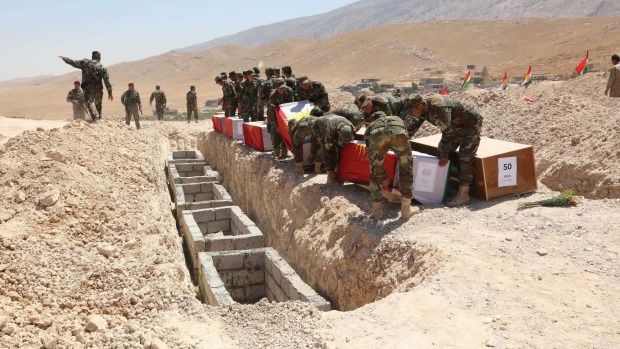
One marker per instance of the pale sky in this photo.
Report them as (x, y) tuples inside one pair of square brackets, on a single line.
[(33, 33)]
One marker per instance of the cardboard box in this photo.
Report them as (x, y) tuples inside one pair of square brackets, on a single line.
[(500, 168)]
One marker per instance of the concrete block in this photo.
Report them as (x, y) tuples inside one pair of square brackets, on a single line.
[(254, 293), (227, 277), (237, 294), (248, 242), (206, 187), (179, 154), (246, 277), (269, 295), (191, 188), (253, 260), (217, 226), (180, 168), (206, 215), (253, 230), (218, 244), (222, 213), (228, 261)]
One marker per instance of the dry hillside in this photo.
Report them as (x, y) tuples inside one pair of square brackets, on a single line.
[(396, 53)]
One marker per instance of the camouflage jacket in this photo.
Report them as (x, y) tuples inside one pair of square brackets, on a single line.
[(266, 87), (276, 98), (351, 114), (237, 85), (228, 91), (316, 94), (159, 96), (301, 130), (249, 91), (92, 73), (385, 102), (325, 129), (392, 125), (131, 99), (454, 118), (192, 100), (291, 82), (77, 95)]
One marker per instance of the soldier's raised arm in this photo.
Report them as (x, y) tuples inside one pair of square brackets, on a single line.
[(71, 62)]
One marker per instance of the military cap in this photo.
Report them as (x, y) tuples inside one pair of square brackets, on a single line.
[(287, 69), (359, 100), (239, 75), (269, 71), (280, 83), (345, 135), (223, 73), (233, 73), (276, 69), (256, 70), (316, 111), (301, 78), (413, 100), (218, 78), (77, 82), (130, 84)]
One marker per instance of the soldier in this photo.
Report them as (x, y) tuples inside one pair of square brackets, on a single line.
[(76, 97), (238, 82), (315, 92), (298, 131), (385, 133), (234, 103), (282, 94), (460, 125), (192, 104), (93, 72), (224, 76), (290, 79), (332, 132), (276, 72), (613, 83), (249, 97), (133, 105), (264, 91), (384, 102), (355, 116), (160, 102), (228, 95)]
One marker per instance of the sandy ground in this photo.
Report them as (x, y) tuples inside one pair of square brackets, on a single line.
[(10, 127), (90, 256)]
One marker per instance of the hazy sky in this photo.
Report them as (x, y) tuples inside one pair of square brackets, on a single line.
[(33, 33)]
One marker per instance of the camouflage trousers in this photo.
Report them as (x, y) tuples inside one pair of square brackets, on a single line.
[(315, 149), (467, 141), (233, 107), (79, 112), (272, 128), (94, 101), (260, 110), (330, 156), (191, 111), (159, 110), (135, 112), (248, 111), (379, 143)]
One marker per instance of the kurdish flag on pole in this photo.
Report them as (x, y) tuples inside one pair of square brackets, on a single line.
[(528, 77), (467, 80), (505, 81), (582, 68)]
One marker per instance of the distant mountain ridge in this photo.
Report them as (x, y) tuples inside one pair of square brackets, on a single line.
[(371, 13)]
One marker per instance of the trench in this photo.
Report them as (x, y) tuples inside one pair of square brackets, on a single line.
[(319, 230)]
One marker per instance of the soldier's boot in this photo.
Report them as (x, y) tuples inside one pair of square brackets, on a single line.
[(462, 198), (332, 178), (318, 167), (406, 210), (276, 152), (299, 167), (377, 211), (283, 152)]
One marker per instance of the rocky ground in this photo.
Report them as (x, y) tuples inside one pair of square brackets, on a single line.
[(90, 255)]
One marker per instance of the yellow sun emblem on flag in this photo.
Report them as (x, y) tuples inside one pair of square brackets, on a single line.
[(361, 150)]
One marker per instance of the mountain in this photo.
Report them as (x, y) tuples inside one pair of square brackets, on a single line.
[(397, 54), (371, 13)]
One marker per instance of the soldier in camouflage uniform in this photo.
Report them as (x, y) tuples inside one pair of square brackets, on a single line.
[(228, 95), (290, 79), (93, 73), (249, 97), (385, 133), (264, 91), (234, 102), (276, 73), (133, 105), (315, 92), (355, 116), (384, 102), (298, 131), (77, 99), (282, 94), (332, 132), (238, 92), (460, 124), (160, 102), (192, 104)]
